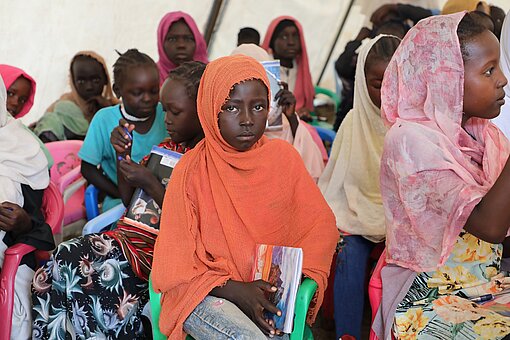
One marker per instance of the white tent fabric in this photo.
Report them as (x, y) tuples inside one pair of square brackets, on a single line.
[(42, 36)]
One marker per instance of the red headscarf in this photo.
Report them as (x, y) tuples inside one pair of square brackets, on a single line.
[(9, 75), (164, 64), (304, 90), (221, 202)]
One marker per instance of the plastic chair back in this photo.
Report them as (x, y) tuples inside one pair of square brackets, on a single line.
[(92, 202), (98, 223), (53, 210), (64, 172), (375, 289)]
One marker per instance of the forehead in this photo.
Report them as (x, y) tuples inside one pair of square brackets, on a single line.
[(179, 27), (375, 69), (141, 74), (174, 89), (21, 82), (87, 66), (247, 89), (289, 30), (482, 49)]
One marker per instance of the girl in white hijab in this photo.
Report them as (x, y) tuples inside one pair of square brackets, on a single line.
[(23, 176), (350, 183)]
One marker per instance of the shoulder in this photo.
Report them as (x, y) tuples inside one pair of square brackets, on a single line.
[(108, 115)]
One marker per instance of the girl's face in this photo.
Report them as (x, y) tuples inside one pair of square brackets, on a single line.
[(88, 77), (140, 90), (374, 73), (17, 95), (181, 117), (287, 44), (243, 117), (483, 79), (179, 43)]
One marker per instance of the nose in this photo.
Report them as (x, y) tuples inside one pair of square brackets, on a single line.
[(246, 117), (146, 97)]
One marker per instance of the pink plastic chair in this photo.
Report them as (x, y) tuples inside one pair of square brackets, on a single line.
[(66, 174), (375, 290), (53, 210)]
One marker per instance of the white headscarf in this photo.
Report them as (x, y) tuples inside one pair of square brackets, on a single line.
[(503, 120), (21, 159), (350, 181)]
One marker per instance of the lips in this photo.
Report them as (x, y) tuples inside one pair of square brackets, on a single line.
[(246, 136), (501, 100)]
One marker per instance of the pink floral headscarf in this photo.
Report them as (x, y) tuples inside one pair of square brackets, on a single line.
[(433, 173), (164, 64)]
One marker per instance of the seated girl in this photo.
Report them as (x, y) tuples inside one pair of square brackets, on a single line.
[(69, 117), (23, 178), (20, 90), (285, 41), (137, 84), (293, 130), (20, 98), (445, 179), (106, 274), (179, 41), (350, 184), (234, 190)]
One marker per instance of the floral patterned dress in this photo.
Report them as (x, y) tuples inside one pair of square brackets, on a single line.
[(437, 305)]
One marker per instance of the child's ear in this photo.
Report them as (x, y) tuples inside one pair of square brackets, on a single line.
[(116, 90)]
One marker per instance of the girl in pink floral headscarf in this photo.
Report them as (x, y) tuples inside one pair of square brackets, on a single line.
[(445, 181)]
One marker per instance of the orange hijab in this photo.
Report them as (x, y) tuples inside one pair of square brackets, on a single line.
[(221, 202)]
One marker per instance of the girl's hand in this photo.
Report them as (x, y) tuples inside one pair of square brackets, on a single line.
[(135, 174), (251, 299), (120, 139), (286, 100), (14, 218), (96, 103)]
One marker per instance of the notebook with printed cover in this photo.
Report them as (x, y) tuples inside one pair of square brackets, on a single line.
[(280, 266), (143, 211), (274, 117)]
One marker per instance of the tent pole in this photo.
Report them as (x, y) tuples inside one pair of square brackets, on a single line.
[(340, 29), (211, 21)]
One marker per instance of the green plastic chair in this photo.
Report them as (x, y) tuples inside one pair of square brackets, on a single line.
[(330, 94), (301, 330)]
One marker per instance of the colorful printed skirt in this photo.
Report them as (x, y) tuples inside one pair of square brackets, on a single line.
[(438, 305), (88, 290)]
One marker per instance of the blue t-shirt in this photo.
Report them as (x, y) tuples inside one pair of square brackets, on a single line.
[(97, 149)]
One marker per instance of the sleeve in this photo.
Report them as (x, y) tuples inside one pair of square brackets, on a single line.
[(345, 65), (40, 236), (94, 145), (425, 213), (413, 13)]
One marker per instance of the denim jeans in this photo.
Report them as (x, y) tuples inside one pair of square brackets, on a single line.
[(349, 287), (216, 318)]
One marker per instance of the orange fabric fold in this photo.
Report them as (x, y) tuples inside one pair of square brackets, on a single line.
[(221, 202)]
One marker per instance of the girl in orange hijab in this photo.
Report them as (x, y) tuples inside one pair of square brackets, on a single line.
[(236, 189)]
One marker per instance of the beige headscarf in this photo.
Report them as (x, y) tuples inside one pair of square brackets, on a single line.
[(350, 182), (302, 141), (74, 97)]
